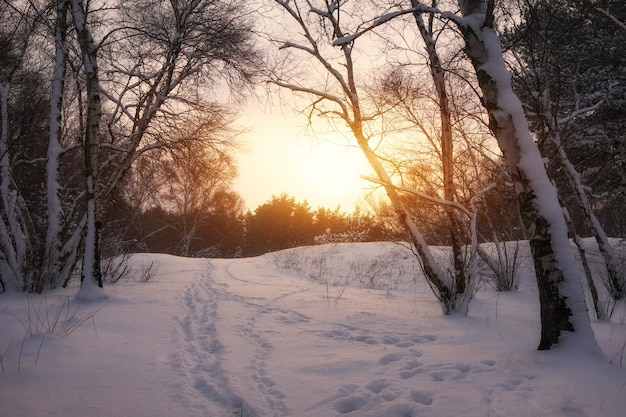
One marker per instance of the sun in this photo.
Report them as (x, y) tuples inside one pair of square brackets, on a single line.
[(281, 157), (329, 171)]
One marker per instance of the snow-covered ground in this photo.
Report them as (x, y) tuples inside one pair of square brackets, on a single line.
[(332, 330)]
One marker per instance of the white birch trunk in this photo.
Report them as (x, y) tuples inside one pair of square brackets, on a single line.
[(51, 266), (12, 239), (615, 284), (16, 228), (556, 268), (91, 277), (558, 275)]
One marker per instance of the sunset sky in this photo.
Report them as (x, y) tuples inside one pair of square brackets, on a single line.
[(282, 156)]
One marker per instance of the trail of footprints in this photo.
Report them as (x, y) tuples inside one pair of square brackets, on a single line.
[(422, 385), (201, 350), (408, 398), (421, 389), (264, 350)]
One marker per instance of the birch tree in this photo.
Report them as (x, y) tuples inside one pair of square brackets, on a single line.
[(558, 277), (157, 55), (52, 262), (16, 227), (91, 275), (447, 153), (120, 79), (169, 76), (326, 34), (563, 79)]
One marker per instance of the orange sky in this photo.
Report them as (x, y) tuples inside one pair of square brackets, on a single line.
[(282, 157)]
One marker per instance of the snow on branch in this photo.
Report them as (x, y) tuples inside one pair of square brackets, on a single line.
[(344, 40), (320, 12), (472, 200), (578, 112), (392, 15)]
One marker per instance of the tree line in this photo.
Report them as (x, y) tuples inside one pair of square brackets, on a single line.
[(223, 229), (482, 120)]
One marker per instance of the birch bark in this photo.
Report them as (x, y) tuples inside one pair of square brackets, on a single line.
[(558, 276), (51, 263), (12, 240), (91, 274), (15, 244)]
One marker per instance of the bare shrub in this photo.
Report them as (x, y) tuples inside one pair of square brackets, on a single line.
[(148, 271), (501, 261), (119, 268), (115, 269), (328, 266), (384, 272), (290, 259), (616, 286), (62, 317), (618, 358)]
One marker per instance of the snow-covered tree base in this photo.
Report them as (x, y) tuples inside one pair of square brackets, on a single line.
[(90, 293)]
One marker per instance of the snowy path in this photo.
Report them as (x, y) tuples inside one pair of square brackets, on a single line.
[(262, 333), (264, 344), (245, 338)]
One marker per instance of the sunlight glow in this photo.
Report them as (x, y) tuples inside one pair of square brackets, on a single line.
[(329, 172), (283, 158)]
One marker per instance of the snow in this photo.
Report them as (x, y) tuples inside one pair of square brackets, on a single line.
[(344, 40), (331, 330), (89, 291)]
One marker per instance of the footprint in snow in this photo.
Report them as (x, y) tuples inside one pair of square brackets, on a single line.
[(348, 405), (376, 339), (422, 397), (291, 320), (392, 357), (369, 340), (402, 410), (377, 386)]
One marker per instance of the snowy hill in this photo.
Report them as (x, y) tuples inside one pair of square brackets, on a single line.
[(340, 329)]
